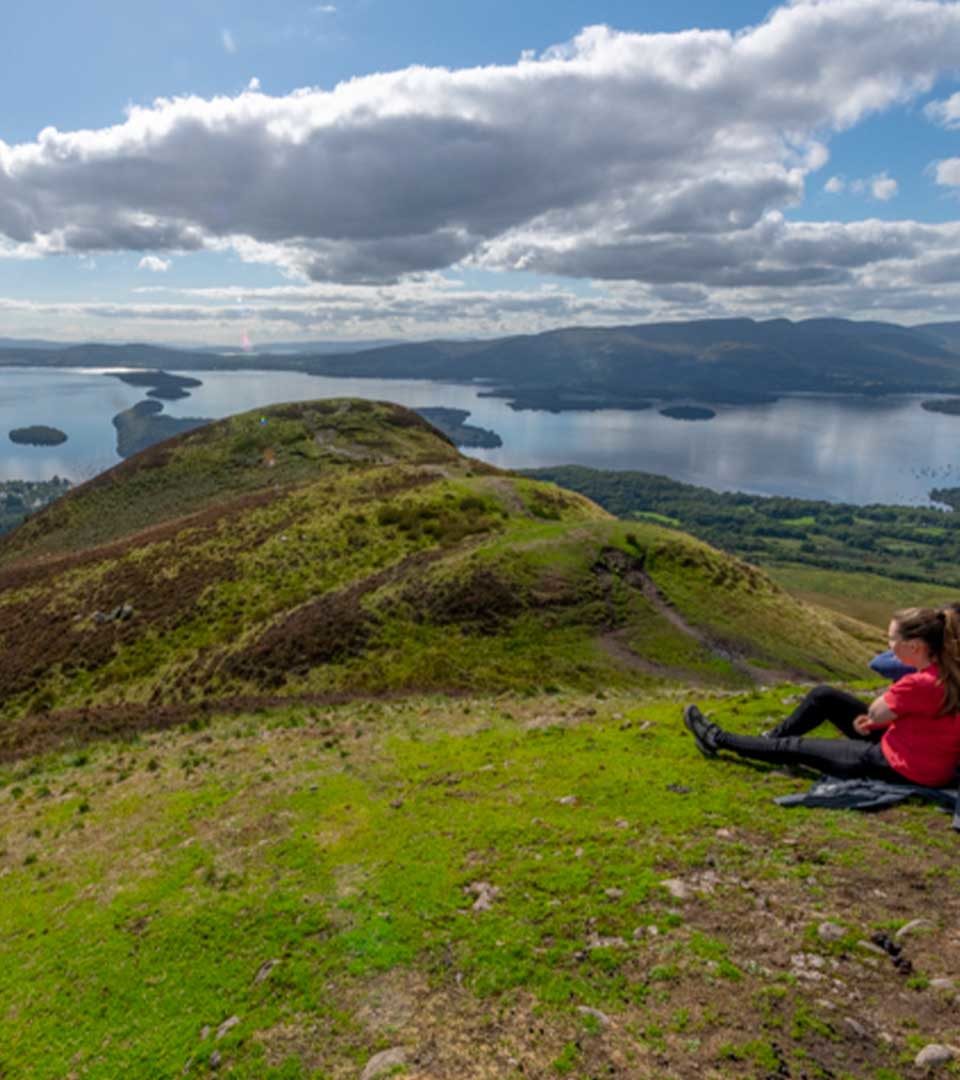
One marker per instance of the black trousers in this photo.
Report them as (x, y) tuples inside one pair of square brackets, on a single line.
[(852, 757)]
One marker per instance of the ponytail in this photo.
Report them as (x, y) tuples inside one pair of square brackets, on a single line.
[(949, 659)]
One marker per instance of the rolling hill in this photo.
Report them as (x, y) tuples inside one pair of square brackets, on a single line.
[(346, 547), (330, 753)]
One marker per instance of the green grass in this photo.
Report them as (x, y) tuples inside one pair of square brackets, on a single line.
[(867, 597), (144, 886)]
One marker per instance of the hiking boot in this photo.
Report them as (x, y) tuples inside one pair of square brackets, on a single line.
[(704, 733)]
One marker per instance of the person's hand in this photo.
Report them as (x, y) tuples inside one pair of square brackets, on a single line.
[(863, 725)]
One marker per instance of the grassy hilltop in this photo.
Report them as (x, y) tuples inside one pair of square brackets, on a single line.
[(346, 547), (328, 752)]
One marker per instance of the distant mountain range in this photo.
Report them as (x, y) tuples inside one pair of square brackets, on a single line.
[(714, 360)]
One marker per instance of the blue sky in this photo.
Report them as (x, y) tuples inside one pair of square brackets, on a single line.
[(242, 172)]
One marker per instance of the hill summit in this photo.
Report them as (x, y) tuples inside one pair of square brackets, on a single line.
[(342, 547)]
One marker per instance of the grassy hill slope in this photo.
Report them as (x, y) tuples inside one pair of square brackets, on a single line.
[(495, 887), (423, 790), (345, 547)]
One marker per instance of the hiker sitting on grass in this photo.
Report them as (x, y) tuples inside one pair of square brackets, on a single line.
[(910, 734)]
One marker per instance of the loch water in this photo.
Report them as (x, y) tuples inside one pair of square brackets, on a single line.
[(847, 449)]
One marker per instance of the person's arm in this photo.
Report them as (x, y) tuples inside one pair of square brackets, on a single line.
[(878, 716)]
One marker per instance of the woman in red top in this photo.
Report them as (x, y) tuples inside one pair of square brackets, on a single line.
[(910, 733)]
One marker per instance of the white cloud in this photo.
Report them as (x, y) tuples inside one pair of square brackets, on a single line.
[(325, 9), (947, 172), (834, 185), (883, 187), (254, 84), (228, 41), (154, 263), (674, 160), (946, 113)]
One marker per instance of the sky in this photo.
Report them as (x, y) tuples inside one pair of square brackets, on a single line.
[(229, 172)]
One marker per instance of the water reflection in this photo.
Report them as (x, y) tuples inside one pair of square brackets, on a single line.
[(853, 450)]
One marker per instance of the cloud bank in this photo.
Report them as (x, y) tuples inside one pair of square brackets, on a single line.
[(667, 161)]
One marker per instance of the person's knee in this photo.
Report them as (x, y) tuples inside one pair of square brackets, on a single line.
[(820, 693)]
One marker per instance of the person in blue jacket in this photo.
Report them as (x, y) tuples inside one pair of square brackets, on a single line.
[(887, 665)]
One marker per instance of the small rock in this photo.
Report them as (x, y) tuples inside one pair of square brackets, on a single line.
[(934, 1054), (578, 854), (724, 834), (595, 941), (678, 889), (942, 984), (679, 789), (384, 1062), (599, 1016), (396, 804), (264, 970), (855, 1027), (622, 823), (227, 1026), (485, 894), (613, 894), (215, 1060), (205, 1032), (830, 931), (912, 927), (871, 947), (568, 800)]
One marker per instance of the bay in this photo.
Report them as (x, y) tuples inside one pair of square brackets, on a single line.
[(848, 449)]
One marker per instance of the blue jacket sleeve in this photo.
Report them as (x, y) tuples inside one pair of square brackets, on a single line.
[(887, 665)]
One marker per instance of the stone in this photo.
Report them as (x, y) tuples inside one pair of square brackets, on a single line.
[(942, 984), (485, 894), (263, 972), (385, 1062), (871, 947), (855, 1027), (678, 889), (613, 894), (597, 1015), (830, 931), (227, 1026), (934, 1054), (596, 941), (215, 1060), (724, 834), (912, 927), (568, 800)]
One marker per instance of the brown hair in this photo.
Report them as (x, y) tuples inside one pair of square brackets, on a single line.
[(939, 630)]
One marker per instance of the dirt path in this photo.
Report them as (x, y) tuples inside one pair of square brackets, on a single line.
[(614, 644)]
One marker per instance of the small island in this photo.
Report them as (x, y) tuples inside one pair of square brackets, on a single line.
[(142, 425), (688, 412), (162, 384), (950, 406), (38, 435), (451, 423)]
